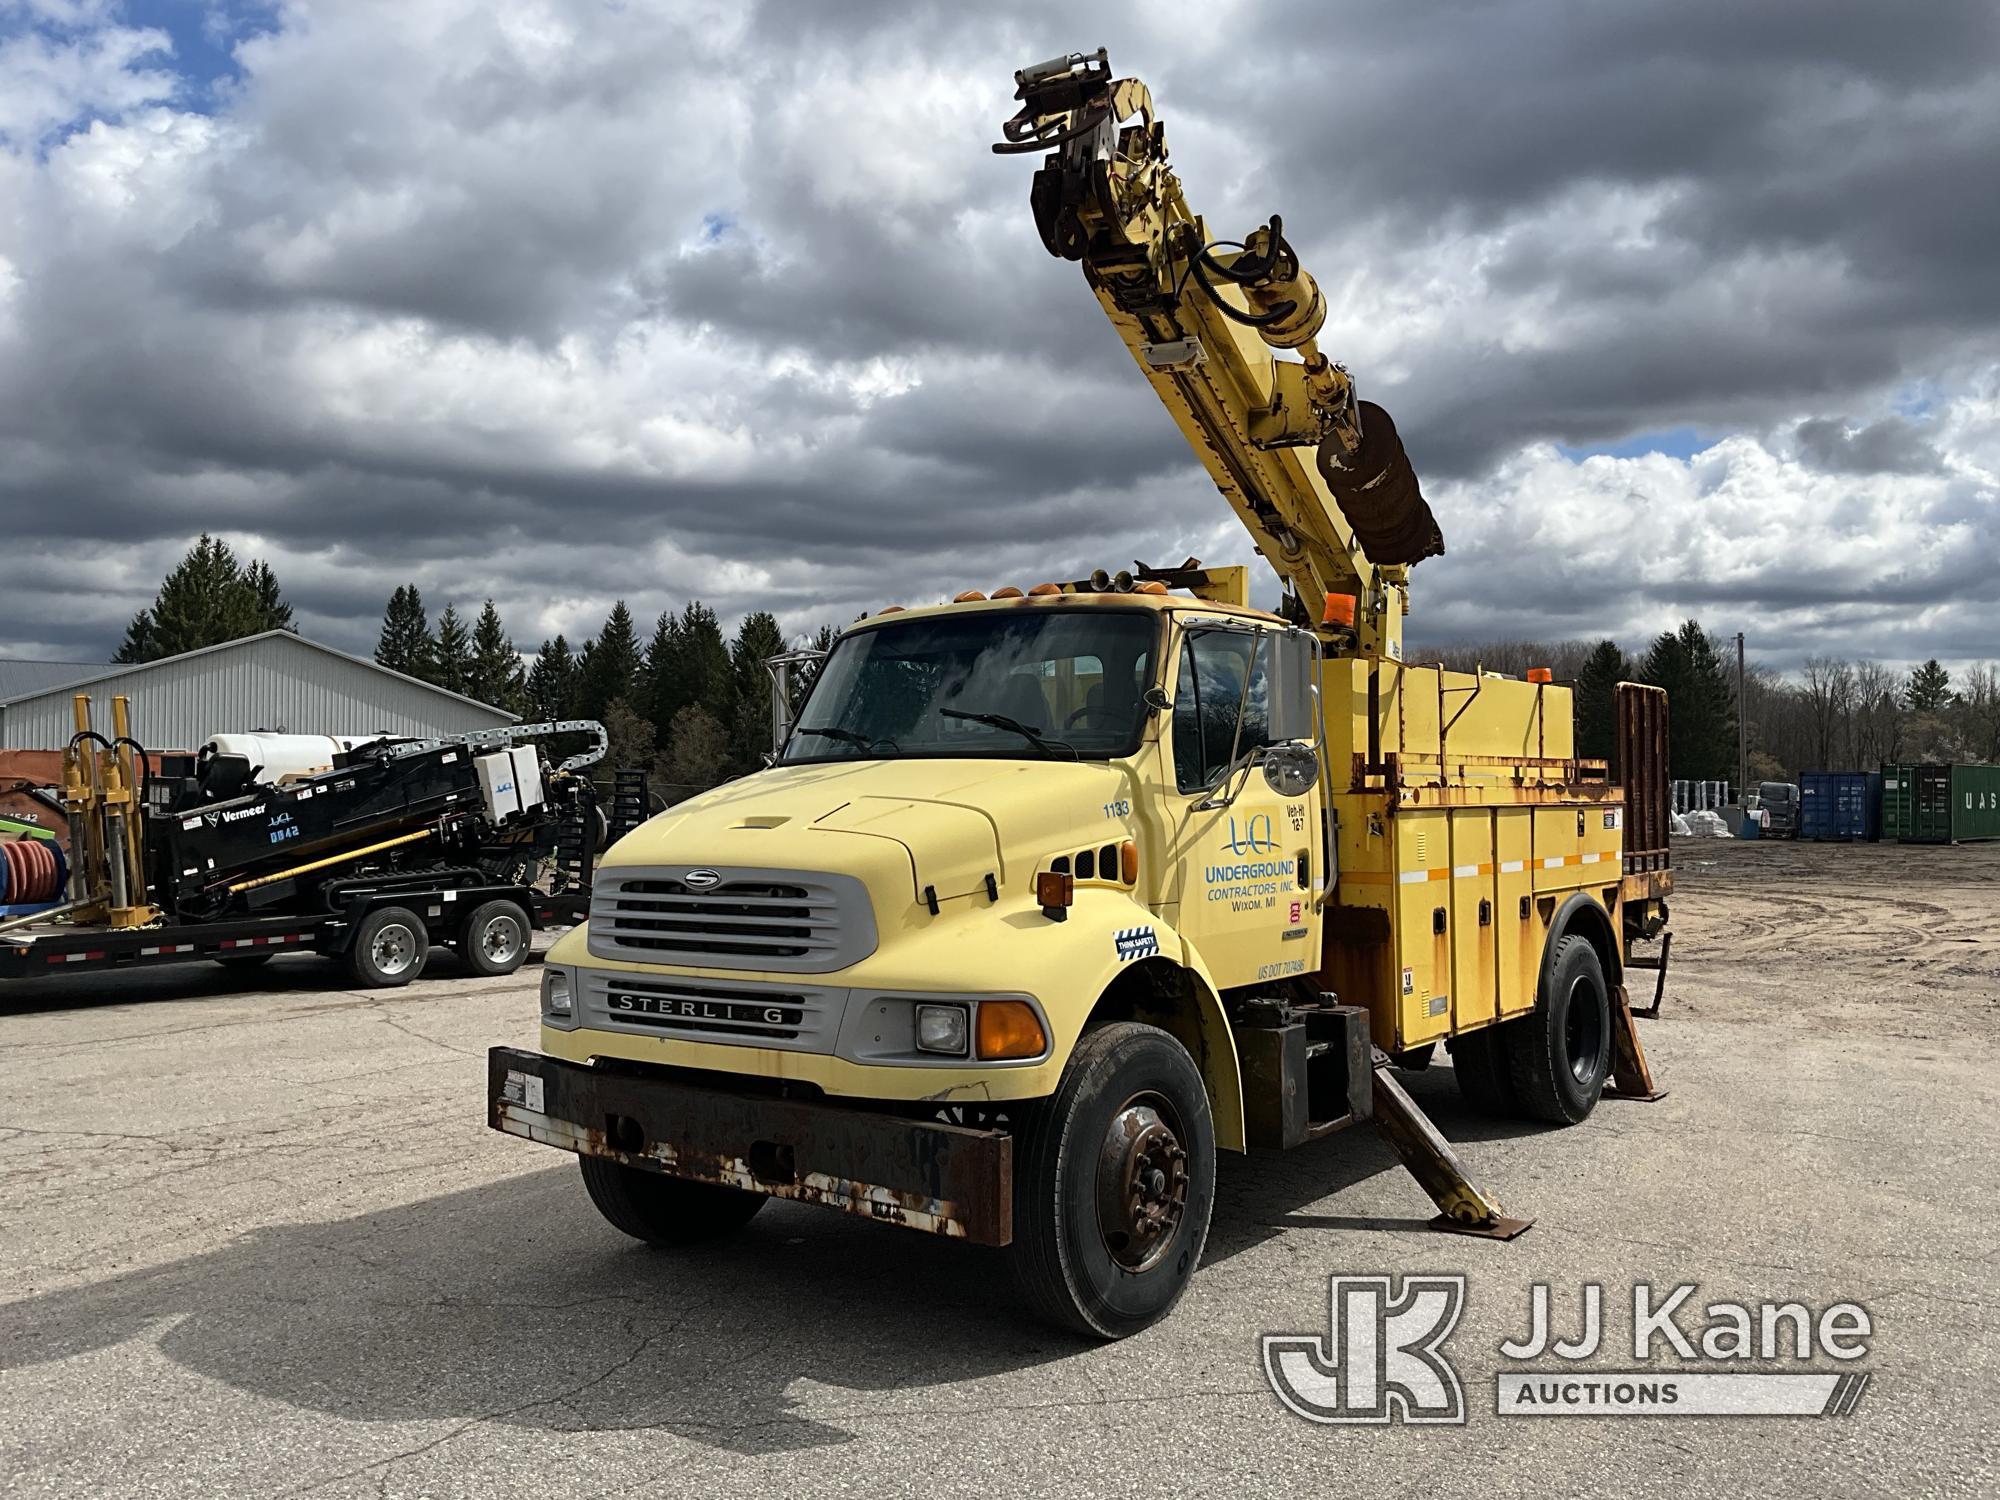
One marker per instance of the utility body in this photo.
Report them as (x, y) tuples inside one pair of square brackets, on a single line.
[(1050, 895)]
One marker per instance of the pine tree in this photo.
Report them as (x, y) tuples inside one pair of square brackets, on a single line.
[(692, 667), (757, 640), (453, 660), (272, 611), (711, 682), (204, 601), (495, 676), (138, 643), (1596, 700), (406, 644), (1929, 691), (551, 682), (661, 673), (1701, 716), (611, 671)]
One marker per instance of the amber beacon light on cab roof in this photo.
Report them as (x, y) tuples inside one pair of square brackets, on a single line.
[(1049, 895)]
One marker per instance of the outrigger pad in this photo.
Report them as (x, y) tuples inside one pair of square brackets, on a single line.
[(1631, 1078), (1428, 1157), (1493, 1229)]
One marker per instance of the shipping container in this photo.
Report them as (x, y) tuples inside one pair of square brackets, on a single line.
[(1899, 801), (1941, 804), (1842, 806)]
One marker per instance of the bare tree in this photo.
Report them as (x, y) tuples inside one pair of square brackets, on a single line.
[(1877, 714), (1829, 693), (1980, 705)]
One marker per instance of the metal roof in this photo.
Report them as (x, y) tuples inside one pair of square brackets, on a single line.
[(19, 677), (274, 680)]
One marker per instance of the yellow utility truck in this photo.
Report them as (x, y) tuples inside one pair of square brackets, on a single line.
[(1053, 893)]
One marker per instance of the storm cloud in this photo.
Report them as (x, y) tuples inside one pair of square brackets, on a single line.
[(1682, 308)]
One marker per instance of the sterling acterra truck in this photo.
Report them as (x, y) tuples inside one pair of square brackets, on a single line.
[(1052, 894)]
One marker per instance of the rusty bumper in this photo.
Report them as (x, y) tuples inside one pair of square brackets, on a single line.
[(947, 1179)]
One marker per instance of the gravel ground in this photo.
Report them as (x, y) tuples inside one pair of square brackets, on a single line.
[(255, 1239)]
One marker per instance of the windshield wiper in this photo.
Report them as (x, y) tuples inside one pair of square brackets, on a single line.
[(1035, 737), (845, 736)]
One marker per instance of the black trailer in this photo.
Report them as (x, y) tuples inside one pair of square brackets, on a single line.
[(384, 927)]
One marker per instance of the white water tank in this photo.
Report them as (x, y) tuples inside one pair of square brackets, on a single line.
[(270, 756)]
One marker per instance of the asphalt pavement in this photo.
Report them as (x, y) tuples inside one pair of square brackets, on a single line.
[(255, 1239)]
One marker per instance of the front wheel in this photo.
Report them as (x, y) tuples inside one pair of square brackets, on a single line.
[(665, 1211), (1114, 1183)]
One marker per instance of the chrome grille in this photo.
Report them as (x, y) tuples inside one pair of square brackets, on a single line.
[(784, 920), (799, 1018)]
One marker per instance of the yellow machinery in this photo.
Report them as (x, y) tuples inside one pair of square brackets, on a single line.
[(1052, 893), (1465, 817), (102, 790)]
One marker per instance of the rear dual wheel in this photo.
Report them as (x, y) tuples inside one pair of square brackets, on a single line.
[(1550, 1064)]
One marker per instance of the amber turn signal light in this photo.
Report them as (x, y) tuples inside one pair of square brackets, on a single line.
[(1055, 891), (1008, 1029), (1541, 674), (1128, 862)]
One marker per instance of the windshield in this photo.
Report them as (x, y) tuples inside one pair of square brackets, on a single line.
[(1023, 684)]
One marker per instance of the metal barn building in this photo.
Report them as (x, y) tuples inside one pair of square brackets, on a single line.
[(276, 681)]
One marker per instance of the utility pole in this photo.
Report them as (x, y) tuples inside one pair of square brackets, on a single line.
[(1742, 728)]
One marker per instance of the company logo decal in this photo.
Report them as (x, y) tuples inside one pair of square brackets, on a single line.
[(701, 880), (1256, 837)]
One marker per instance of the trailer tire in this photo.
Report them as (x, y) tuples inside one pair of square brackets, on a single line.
[(1485, 1077), (390, 947), (1560, 1051), (1126, 1142), (665, 1211), (494, 938)]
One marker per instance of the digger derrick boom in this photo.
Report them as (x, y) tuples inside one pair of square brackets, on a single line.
[(1319, 478)]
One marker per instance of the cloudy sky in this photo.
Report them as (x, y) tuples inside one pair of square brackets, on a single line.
[(1685, 307)]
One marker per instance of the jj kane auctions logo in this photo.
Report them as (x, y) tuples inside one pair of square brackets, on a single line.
[(1382, 1358)]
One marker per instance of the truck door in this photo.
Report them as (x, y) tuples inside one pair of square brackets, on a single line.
[(1248, 844)]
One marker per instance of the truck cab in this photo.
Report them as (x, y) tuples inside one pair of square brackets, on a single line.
[(1030, 795)]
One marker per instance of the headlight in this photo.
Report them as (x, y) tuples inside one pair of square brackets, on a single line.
[(557, 991), (941, 1028)]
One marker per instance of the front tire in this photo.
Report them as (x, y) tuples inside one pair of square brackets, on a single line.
[(665, 1212), (1114, 1183), (1561, 1050)]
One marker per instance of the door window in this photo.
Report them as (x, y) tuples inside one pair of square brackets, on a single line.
[(1206, 695)]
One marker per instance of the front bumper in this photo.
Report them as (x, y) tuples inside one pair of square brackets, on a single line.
[(948, 1179)]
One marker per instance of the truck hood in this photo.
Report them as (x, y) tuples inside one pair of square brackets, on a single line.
[(953, 822)]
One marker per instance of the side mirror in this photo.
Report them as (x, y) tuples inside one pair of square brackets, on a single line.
[(1294, 671)]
